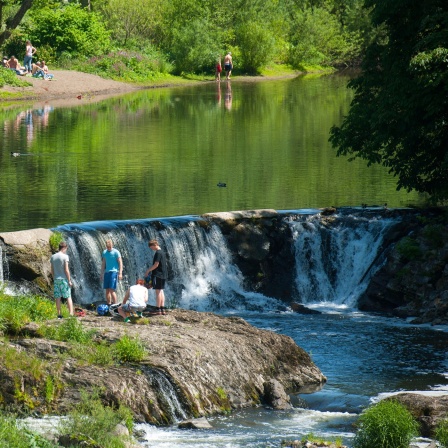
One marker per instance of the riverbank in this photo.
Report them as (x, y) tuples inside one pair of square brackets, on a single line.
[(70, 87)]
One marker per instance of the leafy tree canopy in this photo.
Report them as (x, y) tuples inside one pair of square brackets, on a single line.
[(399, 115)]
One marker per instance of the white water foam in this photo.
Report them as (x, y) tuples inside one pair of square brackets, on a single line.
[(335, 261)]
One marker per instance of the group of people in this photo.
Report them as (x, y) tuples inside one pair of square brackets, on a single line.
[(228, 67), (136, 297), (38, 70)]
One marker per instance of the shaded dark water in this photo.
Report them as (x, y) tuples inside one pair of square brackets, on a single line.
[(162, 153)]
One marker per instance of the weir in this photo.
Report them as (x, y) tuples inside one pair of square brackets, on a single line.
[(334, 258)]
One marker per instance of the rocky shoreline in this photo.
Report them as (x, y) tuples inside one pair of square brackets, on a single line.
[(212, 364)]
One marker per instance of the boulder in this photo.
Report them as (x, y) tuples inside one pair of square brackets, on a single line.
[(196, 364), (275, 395), (428, 410), (195, 423)]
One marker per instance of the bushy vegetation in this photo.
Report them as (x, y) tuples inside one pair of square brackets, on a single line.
[(93, 423), (442, 433), (129, 349), (8, 77), (190, 35), (17, 311), (387, 424), (55, 239), (13, 434)]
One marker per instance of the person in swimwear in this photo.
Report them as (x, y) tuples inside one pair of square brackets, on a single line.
[(218, 70), (228, 64)]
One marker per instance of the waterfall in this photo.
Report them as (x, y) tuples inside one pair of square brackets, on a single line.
[(204, 277), (167, 395), (336, 258)]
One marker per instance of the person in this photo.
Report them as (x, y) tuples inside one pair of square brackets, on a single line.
[(134, 300), (44, 68), (159, 273), (28, 59), (228, 64), (62, 279), (218, 70), (111, 271), (5, 62), (14, 65)]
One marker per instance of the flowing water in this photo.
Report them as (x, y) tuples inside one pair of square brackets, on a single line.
[(115, 168), (363, 356)]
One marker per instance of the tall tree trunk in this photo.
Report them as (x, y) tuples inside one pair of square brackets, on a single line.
[(13, 22)]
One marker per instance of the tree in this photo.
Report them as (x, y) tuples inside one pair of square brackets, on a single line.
[(13, 21), (399, 114)]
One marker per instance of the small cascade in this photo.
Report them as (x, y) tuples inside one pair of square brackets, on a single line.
[(335, 259), (203, 275), (167, 395)]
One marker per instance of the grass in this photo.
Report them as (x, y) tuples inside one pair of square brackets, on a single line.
[(17, 311), (93, 423), (12, 434), (10, 78), (55, 239), (442, 433), (387, 424), (129, 350)]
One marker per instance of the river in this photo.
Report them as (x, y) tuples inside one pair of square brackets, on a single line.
[(163, 152)]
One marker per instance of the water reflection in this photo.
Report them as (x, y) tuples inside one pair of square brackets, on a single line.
[(160, 152), (228, 100)]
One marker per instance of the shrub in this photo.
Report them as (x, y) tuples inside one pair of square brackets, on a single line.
[(55, 239), (129, 350), (92, 422), (128, 66), (442, 433), (69, 28), (8, 77), (387, 424), (17, 311), (13, 435)]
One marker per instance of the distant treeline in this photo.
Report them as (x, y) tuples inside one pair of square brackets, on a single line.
[(188, 36)]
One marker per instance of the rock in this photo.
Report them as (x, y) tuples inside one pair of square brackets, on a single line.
[(28, 253), (302, 309), (196, 423), (275, 395), (428, 410), (197, 364)]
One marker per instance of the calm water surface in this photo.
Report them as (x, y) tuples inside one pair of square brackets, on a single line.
[(162, 152)]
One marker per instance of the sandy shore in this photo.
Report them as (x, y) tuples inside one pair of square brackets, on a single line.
[(69, 87)]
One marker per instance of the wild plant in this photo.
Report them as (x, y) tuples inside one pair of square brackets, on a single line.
[(129, 349), (92, 422), (387, 424)]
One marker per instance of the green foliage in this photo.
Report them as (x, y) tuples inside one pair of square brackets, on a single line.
[(94, 423), (399, 114), (92, 353), (125, 66), (387, 424), (17, 311), (8, 77), (13, 434), (69, 28), (129, 350), (442, 433), (55, 239), (408, 249), (195, 48), (257, 46), (318, 38), (68, 330)]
